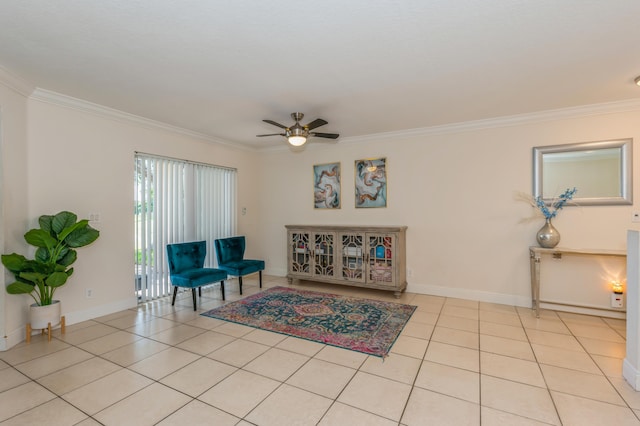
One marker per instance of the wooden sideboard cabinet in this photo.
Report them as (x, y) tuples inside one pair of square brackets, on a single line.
[(362, 256)]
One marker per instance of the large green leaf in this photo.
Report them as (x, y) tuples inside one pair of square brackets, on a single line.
[(62, 253), (68, 258), (33, 276), (37, 266), (42, 254), (45, 222), (63, 220), (82, 237), (13, 262), (40, 238), (69, 229), (19, 288), (56, 279)]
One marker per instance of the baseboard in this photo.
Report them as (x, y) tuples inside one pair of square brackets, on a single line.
[(276, 272), (18, 335), (464, 293), (99, 311), (13, 338), (498, 298), (585, 310), (512, 300), (631, 374)]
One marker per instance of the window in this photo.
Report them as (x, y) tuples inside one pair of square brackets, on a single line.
[(177, 201)]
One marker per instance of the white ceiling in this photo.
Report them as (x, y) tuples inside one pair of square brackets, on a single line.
[(219, 67)]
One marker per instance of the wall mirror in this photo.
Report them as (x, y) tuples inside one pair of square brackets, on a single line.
[(600, 170)]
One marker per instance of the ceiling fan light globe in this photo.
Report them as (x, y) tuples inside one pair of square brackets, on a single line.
[(297, 140)]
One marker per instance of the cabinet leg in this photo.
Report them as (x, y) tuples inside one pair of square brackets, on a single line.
[(289, 280), (397, 294), (534, 263)]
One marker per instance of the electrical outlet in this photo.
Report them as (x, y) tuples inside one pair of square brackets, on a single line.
[(617, 300), (94, 217), (409, 272), (635, 217), (88, 293)]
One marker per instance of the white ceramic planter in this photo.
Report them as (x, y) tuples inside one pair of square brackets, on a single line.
[(41, 316)]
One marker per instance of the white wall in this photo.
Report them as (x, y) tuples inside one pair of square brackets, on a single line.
[(13, 192), (454, 189), (83, 162), (456, 193)]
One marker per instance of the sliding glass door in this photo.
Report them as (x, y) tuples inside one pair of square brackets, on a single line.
[(177, 201)]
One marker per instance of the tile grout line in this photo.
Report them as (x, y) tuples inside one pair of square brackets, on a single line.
[(334, 400), (600, 368)]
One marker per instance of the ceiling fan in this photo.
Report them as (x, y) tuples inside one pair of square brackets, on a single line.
[(297, 134)]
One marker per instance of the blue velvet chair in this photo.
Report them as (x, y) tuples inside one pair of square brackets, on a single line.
[(230, 255), (186, 269)]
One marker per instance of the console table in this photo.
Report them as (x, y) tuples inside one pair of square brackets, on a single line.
[(362, 256), (535, 255)]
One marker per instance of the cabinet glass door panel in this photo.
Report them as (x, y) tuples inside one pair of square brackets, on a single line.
[(323, 260), (381, 249), (352, 257), (300, 254)]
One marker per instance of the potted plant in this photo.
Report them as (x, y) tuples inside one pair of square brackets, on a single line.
[(56, 240)]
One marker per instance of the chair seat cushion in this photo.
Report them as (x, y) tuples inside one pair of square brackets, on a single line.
[(197, 277), (243, 267)]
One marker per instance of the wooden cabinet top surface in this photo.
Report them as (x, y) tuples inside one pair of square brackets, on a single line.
[(348, 228)]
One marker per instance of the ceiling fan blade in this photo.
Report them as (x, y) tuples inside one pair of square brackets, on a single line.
[(316, 123), (275, 124), (325, 135), (272, 134)]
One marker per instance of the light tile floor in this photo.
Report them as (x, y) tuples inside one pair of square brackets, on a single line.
[(457, 362)]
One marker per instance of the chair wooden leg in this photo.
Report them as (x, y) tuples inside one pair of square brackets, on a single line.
[(240, 281), (222, 288), (193, 292), (175, 293), (260, 275)]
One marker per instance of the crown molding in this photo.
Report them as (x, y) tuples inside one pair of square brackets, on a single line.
[(467, 126), (15, 83), (59, 99), (506, 121)]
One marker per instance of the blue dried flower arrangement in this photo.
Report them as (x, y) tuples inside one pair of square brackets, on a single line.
[(557, 204)]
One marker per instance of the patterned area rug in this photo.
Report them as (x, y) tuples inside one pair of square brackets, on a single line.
[(363, 325)]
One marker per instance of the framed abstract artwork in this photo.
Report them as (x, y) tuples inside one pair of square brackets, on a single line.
[(371, 183), (326, 186)]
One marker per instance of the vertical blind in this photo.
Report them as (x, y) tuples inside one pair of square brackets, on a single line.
[(177, 201)]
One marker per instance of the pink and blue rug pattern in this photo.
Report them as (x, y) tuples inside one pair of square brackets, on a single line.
[(363, 325)]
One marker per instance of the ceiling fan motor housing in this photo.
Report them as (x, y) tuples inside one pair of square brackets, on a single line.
[(297, 130)]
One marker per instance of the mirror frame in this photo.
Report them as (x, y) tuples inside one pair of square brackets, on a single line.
[(626, 163)]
